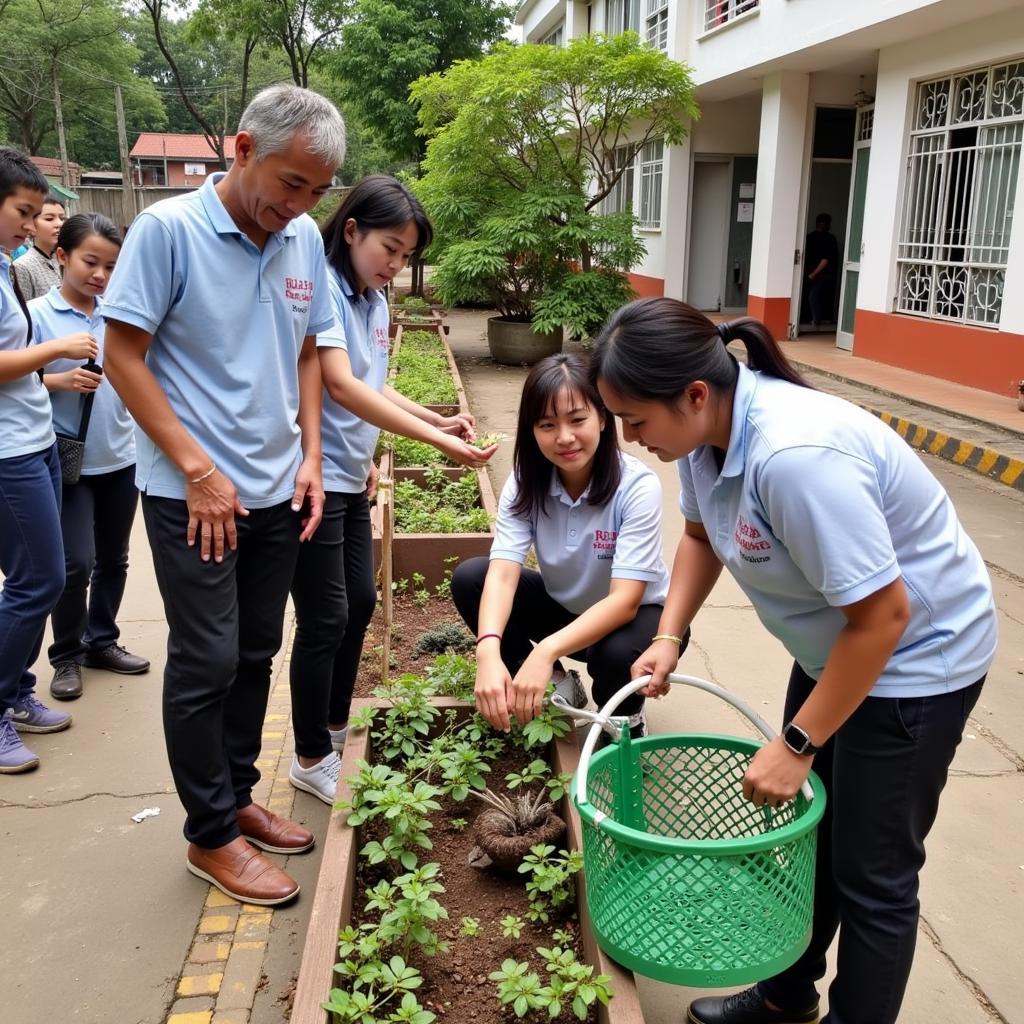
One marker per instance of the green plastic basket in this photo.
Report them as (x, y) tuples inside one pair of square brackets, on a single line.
[(687, 881)]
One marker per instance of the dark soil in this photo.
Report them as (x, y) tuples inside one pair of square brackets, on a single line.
[(456, 985), (410, 620)]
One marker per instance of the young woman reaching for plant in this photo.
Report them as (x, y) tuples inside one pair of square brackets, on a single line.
[(593, 516), (853, 557), (374, 233)]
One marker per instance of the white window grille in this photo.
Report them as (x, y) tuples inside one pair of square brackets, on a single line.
[(651, 167), (656, 24), (718, 12), (865, 123), (965, 150), (623, 16), (555, 36), (621, 196)]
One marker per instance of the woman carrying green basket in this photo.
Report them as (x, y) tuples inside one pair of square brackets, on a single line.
[(853, 557)]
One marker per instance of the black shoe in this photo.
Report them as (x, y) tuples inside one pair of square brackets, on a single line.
[(67, 681), (746, 1007), (116, 659)]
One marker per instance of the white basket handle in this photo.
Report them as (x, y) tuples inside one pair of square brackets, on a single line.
[(603, 720)]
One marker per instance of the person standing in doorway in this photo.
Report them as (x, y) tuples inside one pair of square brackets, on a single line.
[(821, 266), (37, 269), (212, 316)]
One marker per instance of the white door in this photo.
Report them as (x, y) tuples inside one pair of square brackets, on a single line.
[(854, 229), (709, 233)]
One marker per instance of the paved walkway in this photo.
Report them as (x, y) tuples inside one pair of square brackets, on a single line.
[(105, 926)]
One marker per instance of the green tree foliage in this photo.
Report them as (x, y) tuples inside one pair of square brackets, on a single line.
[(522, 153), (388, 44), (80, 43)]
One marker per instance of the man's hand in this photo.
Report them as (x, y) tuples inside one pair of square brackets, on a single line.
[(212, 505), (371, 481), (309, 496)]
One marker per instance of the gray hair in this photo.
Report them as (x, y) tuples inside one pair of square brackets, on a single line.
[(279, 113)]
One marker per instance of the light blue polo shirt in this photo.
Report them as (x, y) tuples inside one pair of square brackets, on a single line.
[(818, 505), (228, 322), (581, 547), (26, 424), (110, 442), (361, 329)]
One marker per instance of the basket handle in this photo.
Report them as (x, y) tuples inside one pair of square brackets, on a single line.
[(603, 719)]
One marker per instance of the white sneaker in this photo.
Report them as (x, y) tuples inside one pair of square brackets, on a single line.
[(321, 780), (338, 738), (571, 690)]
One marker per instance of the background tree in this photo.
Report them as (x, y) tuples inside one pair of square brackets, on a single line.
[(522, 153), (387, 45), (80, 46)]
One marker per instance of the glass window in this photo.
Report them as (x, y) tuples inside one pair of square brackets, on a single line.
[(651, 170)]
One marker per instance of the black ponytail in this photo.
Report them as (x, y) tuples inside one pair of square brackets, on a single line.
[(652, 349)]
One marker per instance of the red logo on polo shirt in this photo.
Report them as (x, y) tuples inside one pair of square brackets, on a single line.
[(380, 336), (298, 289), (751, 542), (604, 543)]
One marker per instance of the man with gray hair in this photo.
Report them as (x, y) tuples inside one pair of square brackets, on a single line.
[(212, 316)]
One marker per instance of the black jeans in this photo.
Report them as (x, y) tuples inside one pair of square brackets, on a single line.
[(335, 592), (96, 521), (536, 615), (883, 772), (225, 623)]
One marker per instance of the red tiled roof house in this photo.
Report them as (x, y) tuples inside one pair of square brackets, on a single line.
[(182, 161)]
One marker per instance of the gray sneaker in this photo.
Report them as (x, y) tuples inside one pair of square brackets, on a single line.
[(32, 716), (571, 690), (14, 755), (321, 780)]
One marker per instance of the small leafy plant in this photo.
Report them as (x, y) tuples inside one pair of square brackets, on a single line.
[(549, 886), (440, 506), (512, 926), (470, 927), (444, 638), (421, 369), (486, 440)]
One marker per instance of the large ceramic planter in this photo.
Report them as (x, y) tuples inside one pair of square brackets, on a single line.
[(516, 343), (332, 900)]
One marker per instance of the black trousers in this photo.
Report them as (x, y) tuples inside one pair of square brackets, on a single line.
[(883, 772), (96, 520), (536, 614), (225, 623), (335, 592)]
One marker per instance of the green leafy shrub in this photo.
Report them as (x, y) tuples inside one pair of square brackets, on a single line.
[(440, 506)]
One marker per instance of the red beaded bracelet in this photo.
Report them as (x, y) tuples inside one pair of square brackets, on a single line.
[(480, 639)]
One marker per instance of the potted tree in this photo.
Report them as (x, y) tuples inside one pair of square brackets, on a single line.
[(525, 147)]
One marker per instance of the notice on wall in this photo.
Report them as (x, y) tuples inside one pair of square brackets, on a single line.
[(746, 190), (744, 213)]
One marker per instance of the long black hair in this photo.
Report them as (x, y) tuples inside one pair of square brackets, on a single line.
[(544, 383), (378, 201), (652, 349), (18, 171), (75, 230)]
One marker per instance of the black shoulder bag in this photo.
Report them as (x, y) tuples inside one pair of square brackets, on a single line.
[(71, 448)]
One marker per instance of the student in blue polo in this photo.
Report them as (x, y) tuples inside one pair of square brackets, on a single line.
[(593, 517), (375, 231), (97, 512), (31, 553), (211, 317), (853, 557)]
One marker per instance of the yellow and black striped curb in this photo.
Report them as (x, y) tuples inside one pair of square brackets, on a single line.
[(986, 461)]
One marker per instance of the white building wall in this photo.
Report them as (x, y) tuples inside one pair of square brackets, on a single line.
[(987, 41), (539, 17)]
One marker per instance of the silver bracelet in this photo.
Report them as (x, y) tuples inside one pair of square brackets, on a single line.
[(209, 472)]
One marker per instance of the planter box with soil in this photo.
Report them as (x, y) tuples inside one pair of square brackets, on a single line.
[(455, 983)]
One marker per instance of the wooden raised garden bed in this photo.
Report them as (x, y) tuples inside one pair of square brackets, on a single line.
[(332, 907)]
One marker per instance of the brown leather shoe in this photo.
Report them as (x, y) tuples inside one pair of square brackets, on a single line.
[(243, 873), (269, 832)]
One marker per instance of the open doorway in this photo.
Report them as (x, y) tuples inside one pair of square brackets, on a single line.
[(828, 200), (709, 233)]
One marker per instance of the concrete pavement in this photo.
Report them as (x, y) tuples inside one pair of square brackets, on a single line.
[(105, 926)]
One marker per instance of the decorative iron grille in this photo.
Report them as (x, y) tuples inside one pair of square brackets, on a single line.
[(962, 168), (719, 12)]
